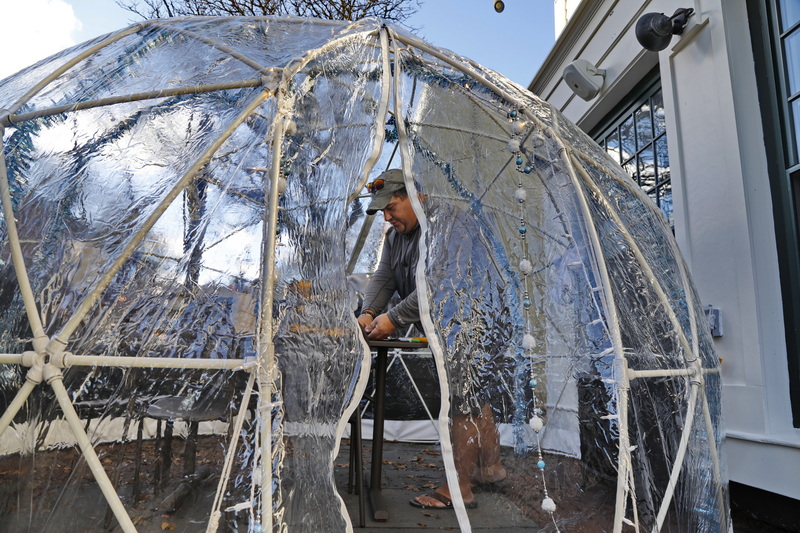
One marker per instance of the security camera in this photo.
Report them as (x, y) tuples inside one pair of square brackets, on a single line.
[(499, 6), (584, 79)]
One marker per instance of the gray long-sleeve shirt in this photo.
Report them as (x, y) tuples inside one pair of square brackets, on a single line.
[(396, 273)]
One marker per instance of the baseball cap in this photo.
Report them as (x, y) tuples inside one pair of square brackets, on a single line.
[(383, 188)]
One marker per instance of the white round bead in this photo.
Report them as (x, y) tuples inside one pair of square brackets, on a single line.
[(513, 145), (528, 342), (520, 195), (525, 266), (548, 505), (536, 424)]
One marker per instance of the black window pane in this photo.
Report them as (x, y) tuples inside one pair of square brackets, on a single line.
[(659, 123), (791, 45), (644, 126), (630, 169), (612, 146), (662, 159), (627, 139), (665, 202), (790, 13), (647, 169), (653, 194)]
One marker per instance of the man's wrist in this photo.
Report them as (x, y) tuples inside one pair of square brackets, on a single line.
[(396, 321), (369, 312)]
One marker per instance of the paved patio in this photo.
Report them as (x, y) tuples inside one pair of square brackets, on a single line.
[(410, 469)]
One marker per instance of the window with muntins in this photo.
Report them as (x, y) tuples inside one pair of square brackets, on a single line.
[(637, 139), (775, 31)]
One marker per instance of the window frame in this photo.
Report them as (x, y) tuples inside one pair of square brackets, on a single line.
[(783, 168)]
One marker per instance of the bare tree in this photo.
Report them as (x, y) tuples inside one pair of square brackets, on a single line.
[(394, 10)]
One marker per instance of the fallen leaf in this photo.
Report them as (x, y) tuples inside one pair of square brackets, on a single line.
[(167, 526)]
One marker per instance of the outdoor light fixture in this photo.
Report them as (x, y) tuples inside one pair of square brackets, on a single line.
[(499, 6), (654, 31)]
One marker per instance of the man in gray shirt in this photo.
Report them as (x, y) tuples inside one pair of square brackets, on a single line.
[(476, 440), (396, 270)]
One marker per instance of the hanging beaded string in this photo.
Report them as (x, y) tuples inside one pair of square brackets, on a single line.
[(525, 168)]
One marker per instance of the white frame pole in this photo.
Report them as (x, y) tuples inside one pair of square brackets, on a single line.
[(620, 363), (266, 346), (31, 309), (11, 120), (53, 377)]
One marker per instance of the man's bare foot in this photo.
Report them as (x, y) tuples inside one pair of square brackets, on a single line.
[(490, 474), (438, 500)]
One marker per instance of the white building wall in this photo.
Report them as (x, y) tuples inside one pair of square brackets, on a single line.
[(563, 10), (723, 209)]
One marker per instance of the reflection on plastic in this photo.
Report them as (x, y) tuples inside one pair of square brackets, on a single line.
[(137, 231)]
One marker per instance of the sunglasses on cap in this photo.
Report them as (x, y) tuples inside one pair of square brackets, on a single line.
[(375, 186)]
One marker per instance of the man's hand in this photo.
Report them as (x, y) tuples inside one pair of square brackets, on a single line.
[(377, 329), (364, 321)]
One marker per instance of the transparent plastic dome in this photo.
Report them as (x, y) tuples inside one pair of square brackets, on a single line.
[(183, 208)]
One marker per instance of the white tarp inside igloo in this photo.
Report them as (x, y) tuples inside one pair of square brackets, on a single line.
[(183, 202)]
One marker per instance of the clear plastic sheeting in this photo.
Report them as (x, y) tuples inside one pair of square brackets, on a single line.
[(184, 245)]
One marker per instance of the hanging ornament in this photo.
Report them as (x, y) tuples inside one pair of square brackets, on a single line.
[(524, 166), (528, 342)]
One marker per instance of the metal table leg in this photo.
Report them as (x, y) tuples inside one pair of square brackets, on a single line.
[(380, 512)]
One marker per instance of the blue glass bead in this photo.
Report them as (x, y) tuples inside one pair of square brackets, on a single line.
[(540, 464), (519, 160), (512, 114), (523, 230), (527, 169), (533, 382), (526, 303)]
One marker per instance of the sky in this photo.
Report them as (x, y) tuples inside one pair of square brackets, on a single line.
[(513, 43)]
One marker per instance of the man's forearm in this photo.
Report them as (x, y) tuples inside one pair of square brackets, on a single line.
[(379, 291), (406, 312)]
